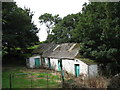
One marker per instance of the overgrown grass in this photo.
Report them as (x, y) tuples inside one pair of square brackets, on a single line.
[(6, 76), (93, 82), (28, 80)]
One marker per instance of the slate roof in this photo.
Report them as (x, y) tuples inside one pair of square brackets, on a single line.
[(43, 48), (61, 51), (65, 50)]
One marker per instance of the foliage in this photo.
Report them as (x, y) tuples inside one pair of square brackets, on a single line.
[(93, 82), (100, 34), (96, 28), (49, 20), (18, 29), (64, 30), (115, 82)]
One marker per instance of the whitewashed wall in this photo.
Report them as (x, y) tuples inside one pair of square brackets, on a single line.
[(68, 65), (54, 64), (83, 67), (93, 70), (46, 62), (31, 62)]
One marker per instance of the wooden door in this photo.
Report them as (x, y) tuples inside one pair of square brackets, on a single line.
[(37, 62), (59, 65), (77, 70)]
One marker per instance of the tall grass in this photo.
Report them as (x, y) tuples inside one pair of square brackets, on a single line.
[(93, 82)]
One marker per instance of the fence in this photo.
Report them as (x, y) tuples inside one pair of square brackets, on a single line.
[(35, 80)]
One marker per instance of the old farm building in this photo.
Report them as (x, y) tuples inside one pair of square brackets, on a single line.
[(65, 56)]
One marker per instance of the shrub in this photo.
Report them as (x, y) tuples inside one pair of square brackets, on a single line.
[(115, 82), (94, 82)]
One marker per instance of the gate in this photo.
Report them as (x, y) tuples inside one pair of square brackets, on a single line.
[(35, 80)]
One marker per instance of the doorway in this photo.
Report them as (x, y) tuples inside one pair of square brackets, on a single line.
[(37, 62), (77, 70)]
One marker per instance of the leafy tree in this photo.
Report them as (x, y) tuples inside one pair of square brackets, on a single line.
[(64, 30), (99, 32), (18, 29), (97, 29), (49, 21)]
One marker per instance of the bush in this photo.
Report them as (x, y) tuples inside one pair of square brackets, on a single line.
[(72, 84), (94, 82), (115, 82)]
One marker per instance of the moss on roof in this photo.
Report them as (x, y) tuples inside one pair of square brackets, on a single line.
[(88, 61)]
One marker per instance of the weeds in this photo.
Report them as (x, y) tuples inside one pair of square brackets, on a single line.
[(93, 82)]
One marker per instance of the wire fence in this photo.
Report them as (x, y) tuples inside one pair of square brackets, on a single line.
[(35, 80)]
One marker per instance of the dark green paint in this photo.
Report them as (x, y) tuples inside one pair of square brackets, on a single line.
[(77, 70), (37, 62)]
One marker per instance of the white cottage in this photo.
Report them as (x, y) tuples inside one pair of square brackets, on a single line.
[(66, 57), (33, 62)]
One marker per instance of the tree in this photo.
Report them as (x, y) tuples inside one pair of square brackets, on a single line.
[(49, 21), (97, 29), (18, 29), (65, 29)]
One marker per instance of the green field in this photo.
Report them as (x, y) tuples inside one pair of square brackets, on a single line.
[(29, 79)]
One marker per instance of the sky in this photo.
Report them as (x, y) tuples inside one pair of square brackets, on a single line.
[(61, 7)]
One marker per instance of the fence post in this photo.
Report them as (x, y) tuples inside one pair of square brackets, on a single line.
[(10, 81), (47, 79), (31, 80)]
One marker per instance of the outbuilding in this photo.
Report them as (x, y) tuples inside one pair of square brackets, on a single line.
[(66, 57)]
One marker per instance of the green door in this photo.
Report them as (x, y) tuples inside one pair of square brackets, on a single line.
[(77, 70), (49, 64), (59, 65), (37, 62)]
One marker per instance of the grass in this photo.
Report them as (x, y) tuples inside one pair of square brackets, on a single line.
[(88, 61), (29, 80), (6, 76), (32, 47)]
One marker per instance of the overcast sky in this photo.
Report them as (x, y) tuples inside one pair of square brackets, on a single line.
[(61, 7)]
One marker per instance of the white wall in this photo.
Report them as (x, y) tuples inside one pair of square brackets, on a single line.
[(83, 67), (46, 62), (68, 65), (93, 70), (31, 62), (54, 64)]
